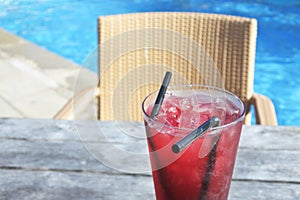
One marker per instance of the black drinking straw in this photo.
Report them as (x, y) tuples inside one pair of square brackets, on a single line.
[(209, 169), (154, 112), (161, 94), (191, 137)]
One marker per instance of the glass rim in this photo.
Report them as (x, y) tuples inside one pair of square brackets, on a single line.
[(203, 86)]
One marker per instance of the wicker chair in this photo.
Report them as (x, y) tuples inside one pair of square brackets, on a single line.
[(135, 50)]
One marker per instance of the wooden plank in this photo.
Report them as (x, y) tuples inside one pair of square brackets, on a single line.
[(64, 155), (71, 155), (253, 137), (24, 184), (44, 185), (276, 165), (270, 137), (263, 190), (93, 131), (48, 155), (33, 129)]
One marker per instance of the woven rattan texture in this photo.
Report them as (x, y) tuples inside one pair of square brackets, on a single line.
[(127, 71)]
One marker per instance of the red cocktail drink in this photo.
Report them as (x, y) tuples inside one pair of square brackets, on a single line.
[(204, 169)]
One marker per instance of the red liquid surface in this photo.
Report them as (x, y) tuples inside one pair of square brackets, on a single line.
[(204, 169)]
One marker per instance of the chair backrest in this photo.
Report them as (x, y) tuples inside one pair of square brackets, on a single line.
[(135, 50)]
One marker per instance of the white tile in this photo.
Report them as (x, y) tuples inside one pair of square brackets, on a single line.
[(64, 77), (18, 80), (19, 86), (44, 104), (6, 110)]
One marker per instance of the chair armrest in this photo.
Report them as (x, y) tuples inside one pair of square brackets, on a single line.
[(264, 110), (80, 101)]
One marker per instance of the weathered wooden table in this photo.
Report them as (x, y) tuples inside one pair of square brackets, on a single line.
[(52, 159)]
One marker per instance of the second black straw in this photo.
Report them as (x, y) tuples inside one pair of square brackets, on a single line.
[(161, 94)]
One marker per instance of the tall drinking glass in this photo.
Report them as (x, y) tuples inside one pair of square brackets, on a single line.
[(203, 170)]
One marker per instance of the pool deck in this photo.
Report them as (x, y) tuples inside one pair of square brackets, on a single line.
[(34, 82)]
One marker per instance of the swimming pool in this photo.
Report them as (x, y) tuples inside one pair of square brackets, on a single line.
[(69, 29)]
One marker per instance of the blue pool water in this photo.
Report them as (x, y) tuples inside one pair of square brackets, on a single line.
[(69, 29)]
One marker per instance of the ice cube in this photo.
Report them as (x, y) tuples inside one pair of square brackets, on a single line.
[(173, 115), (185, 104)]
